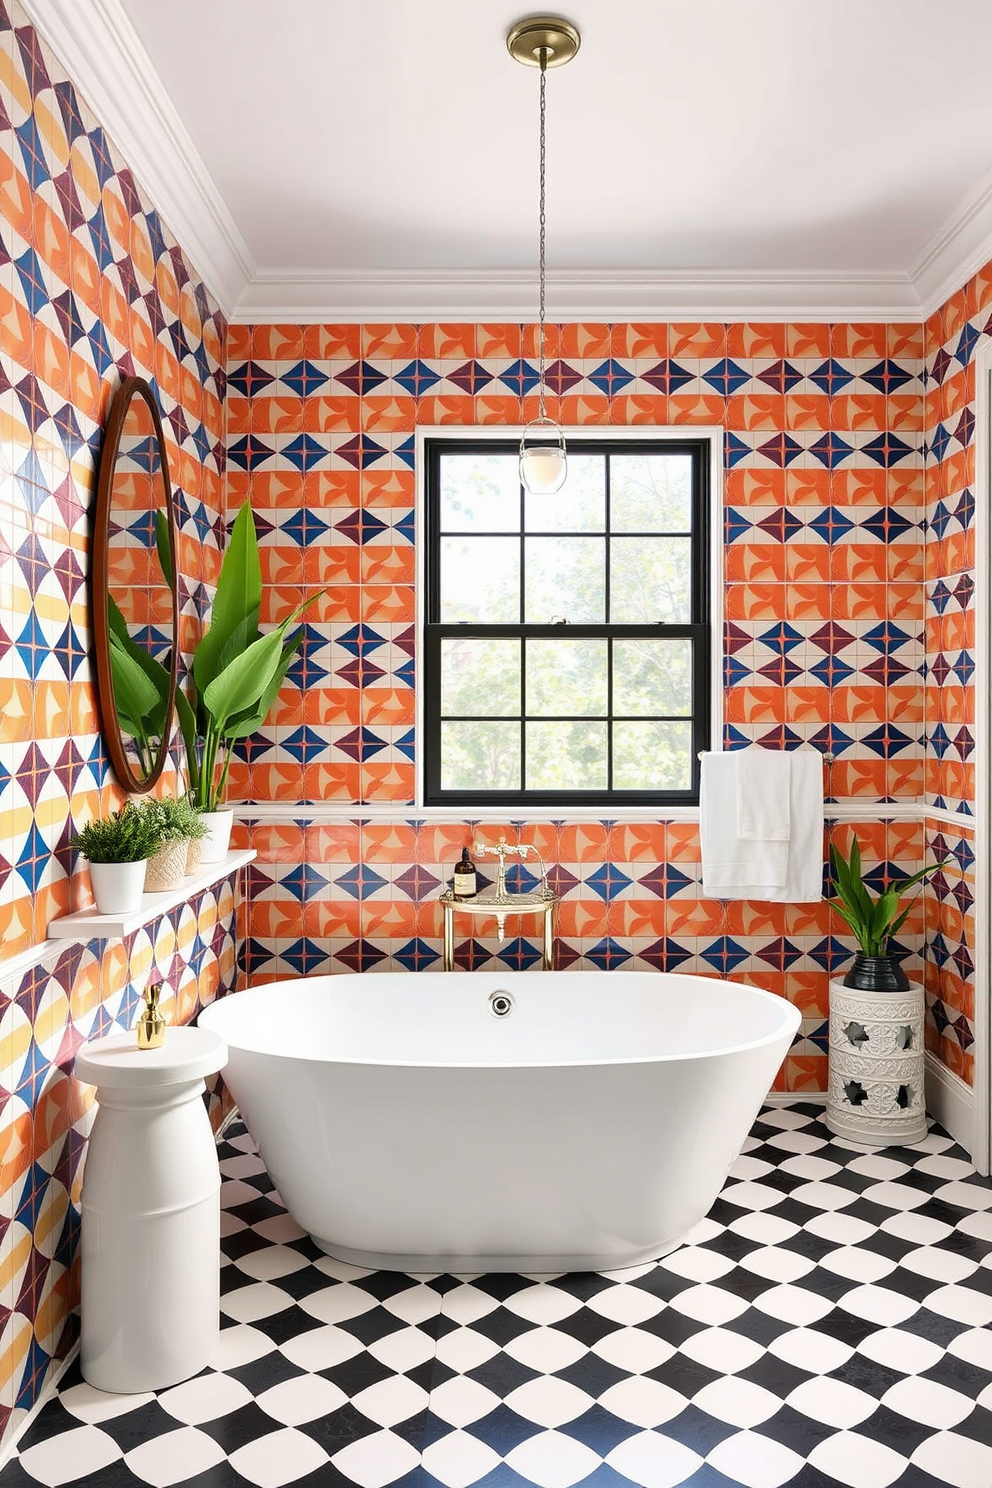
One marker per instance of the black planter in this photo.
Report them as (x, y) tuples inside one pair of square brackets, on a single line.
[(877, 974)]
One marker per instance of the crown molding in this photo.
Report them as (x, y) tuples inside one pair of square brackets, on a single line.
[(587, 295), (956, 251), (106, 60), (104, 56)]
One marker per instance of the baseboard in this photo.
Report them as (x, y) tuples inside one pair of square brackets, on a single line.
[(951, 1102), (790, 1097), (48, 1392)]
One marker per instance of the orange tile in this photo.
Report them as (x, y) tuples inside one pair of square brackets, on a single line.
[(696, 408), (332, 342), (746, 339), (389, 341), (446, 408), (756, 411), (848, 340), (585, 842), (639, 340), (497, 341), (807, 340), (446, 342), (639, 408), (388, 782), (638, 842), (585, 340), (697, 340)]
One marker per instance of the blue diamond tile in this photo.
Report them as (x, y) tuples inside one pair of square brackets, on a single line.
[(608, 881), (830, 450), (726, 377), (304, 379), (361, 881)]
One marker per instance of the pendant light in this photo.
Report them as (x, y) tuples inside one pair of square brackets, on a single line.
[(542, 41)]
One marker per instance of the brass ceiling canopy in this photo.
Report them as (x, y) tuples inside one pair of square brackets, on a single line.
[(545, 41)]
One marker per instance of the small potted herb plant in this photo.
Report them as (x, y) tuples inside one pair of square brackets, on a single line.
[(874, 921), (181, 826), (117, 849)]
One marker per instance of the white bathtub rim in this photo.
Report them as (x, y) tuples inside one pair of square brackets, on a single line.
[(790, 1015)]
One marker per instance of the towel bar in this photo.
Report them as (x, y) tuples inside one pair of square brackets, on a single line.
[(828, 756)]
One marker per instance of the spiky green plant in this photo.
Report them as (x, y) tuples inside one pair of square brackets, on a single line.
[(873, 921), (178, 818), (129, 836)]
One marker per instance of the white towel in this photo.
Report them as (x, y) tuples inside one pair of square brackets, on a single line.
[(763, 788), (737, 867)]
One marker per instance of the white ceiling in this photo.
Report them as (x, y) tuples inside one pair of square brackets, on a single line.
[(713, 155)]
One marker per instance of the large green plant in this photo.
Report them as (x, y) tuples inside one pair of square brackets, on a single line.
[(873, 921), (237, 671)]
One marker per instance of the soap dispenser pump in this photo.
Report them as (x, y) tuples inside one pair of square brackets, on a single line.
[(151, 1025)]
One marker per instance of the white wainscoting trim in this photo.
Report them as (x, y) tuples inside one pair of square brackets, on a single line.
[(951, 1102)]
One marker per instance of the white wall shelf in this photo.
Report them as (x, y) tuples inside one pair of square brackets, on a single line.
[(86, 924)]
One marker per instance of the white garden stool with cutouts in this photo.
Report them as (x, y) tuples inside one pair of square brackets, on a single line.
[(875, 1082)]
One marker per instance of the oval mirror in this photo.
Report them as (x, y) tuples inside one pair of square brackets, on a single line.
[(135, 600)]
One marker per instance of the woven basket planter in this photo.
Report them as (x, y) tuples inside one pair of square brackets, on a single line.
[(167, 867), (194, 852)]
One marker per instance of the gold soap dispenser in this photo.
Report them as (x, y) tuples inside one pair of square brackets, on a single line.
[(151, 1024)]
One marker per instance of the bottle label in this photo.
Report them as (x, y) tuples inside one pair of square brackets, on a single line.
[(463, 882)]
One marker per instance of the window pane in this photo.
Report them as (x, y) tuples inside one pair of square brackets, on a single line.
[(566, 756), (580, 505), (480, 678), (480, 579), (652, 756), (652, 676), (651, 493), (564, 579), (650, 580), (480, 756), (566, 677), (480, 493)]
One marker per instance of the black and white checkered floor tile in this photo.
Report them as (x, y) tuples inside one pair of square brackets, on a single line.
[(827, 1325)]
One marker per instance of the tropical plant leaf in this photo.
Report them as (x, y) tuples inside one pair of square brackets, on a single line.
[(883, 914), (239, 592), (246, 722), (854, 923), (244, 680), (135, 694), (907, 883), (163, 543), (153, 669)]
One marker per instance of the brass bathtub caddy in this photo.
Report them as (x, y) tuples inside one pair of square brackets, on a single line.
[(499, 902)]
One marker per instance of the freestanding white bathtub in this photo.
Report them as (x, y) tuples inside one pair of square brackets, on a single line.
[(409, 1127)]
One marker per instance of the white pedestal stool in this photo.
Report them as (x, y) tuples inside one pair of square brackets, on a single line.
[(875, 1081), (150, 1240)]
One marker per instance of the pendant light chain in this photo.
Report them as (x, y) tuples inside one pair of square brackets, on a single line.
[(543, 42), (544, 82)]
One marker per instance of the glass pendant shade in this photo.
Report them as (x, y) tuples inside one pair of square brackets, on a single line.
[(543, 465)]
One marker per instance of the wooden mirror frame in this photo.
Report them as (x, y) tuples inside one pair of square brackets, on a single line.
[(130, 388)]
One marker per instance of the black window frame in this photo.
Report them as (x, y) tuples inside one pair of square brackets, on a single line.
[(699, 630)]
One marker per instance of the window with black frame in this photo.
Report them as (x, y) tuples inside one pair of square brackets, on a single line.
[(567, 638)]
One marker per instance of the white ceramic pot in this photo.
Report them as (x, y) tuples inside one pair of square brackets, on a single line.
[(118, 887), (218, 837)]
